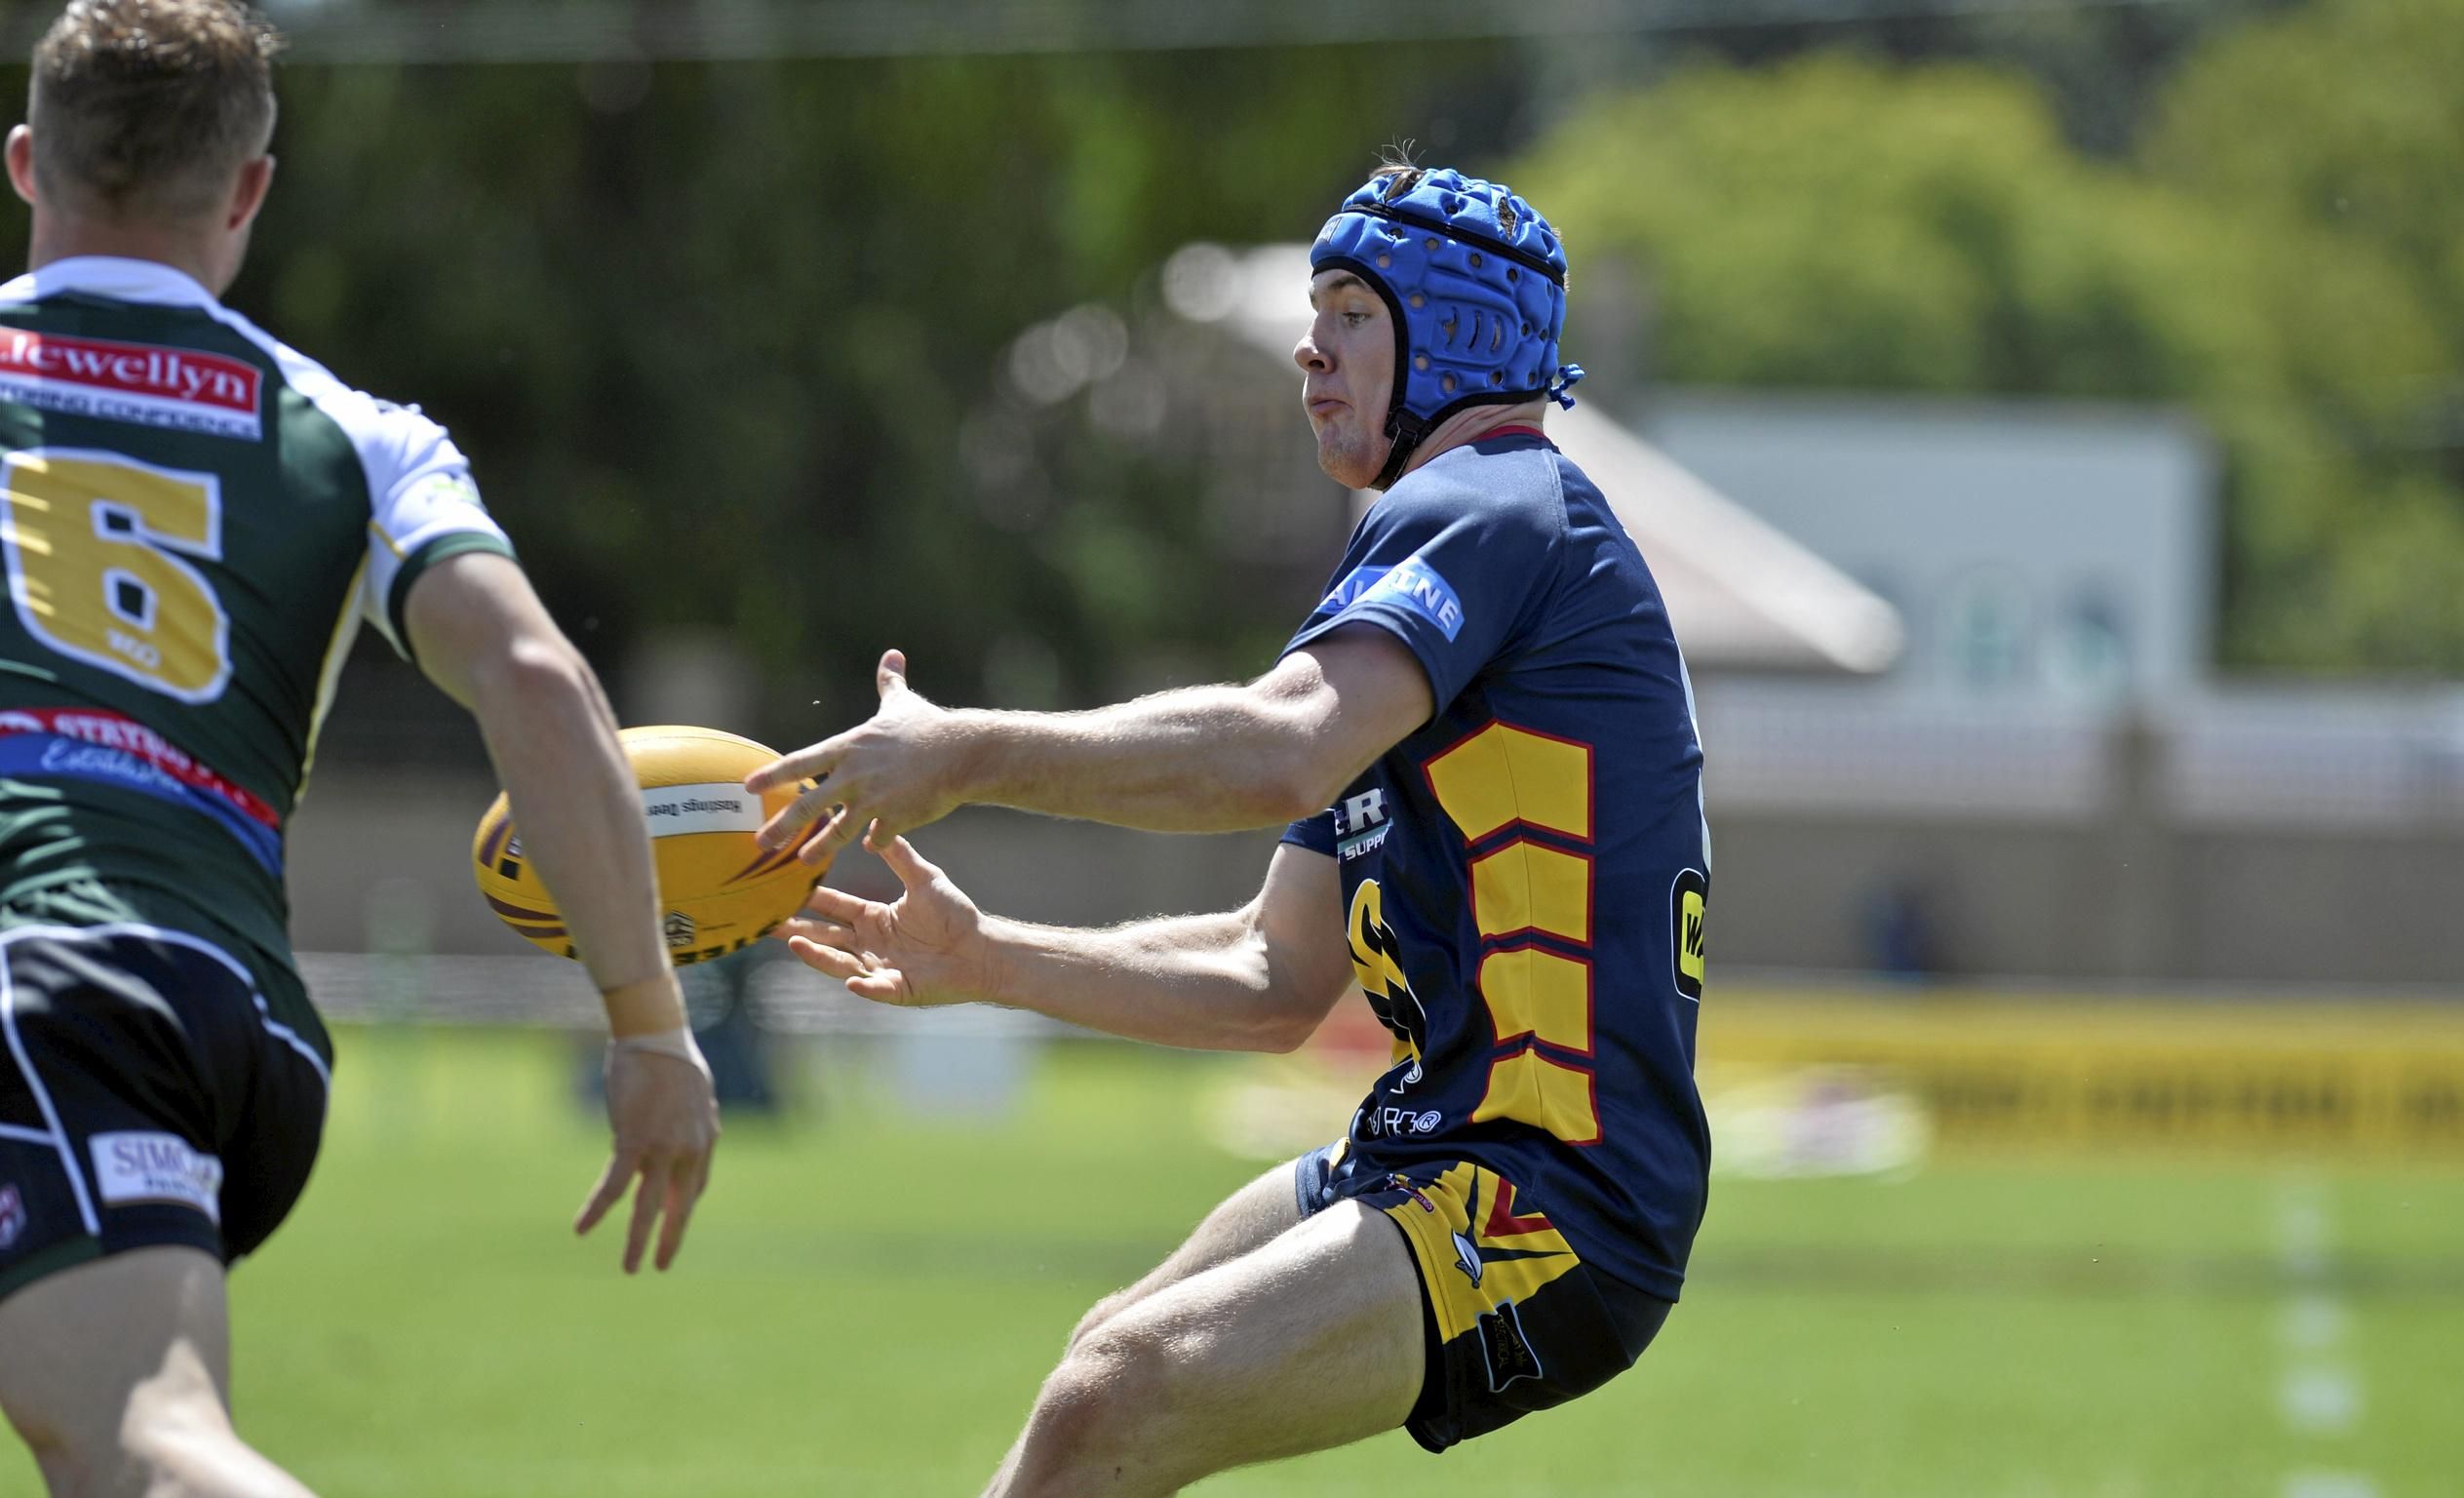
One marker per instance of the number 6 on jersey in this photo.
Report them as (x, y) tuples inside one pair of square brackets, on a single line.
[(93, 543)]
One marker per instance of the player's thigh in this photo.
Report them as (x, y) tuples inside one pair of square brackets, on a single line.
[(1248, 1219), (139, 1342), (1312, 1340)]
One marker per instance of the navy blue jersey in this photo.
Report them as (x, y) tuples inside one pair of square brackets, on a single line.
[(1524, 875)]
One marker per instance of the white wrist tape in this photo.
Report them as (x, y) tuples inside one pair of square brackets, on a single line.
[(677, 1043)]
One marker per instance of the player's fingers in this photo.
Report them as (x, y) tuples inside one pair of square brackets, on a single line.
[(609, 1191), (684, 1188), (829, 933), (892, 675), (839, 905), (909, 865), (808, 805), (810, 762), (879, 985), (646, 1203), (826, 840), (839, 965), (846, 825)]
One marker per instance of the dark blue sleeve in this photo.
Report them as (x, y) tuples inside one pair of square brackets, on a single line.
[(1448, 573), (1315, 833)]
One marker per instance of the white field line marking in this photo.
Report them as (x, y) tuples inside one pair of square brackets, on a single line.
[(2319, 1396), (2330, 1485)]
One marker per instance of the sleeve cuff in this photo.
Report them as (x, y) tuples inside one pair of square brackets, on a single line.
[(453, 543)]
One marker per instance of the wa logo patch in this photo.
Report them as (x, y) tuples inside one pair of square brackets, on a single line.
[(1688, 956), (679, 929)]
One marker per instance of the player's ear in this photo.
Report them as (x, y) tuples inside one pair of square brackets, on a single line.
[(21, 163), (247, 194)]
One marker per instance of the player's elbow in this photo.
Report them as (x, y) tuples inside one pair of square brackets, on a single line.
[(1282, 1025), (1286, 1034), (1293, 795), (531, 675), (1294, 782)]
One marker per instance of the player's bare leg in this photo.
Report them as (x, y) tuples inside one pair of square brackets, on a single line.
[(118, 1374), (1311, 1341), (1249, 1218)]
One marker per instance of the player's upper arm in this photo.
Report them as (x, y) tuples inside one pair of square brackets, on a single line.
[(1349, 696), (473, 622), (1299, 916)]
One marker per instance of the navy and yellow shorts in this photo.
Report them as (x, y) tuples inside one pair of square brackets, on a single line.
[(1511, 1317)]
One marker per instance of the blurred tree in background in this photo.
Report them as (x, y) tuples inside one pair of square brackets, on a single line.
[(726, 340), (711, 332), (2284, 253)]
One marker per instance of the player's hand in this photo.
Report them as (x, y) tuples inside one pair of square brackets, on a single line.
[(925, 948), (665, 1118), (891, 772)]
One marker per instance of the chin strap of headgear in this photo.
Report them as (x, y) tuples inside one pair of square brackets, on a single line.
[(1568, 375), (1408, 432)]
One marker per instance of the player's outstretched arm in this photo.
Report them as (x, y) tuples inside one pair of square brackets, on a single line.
[(1258, 979), (480, 633), (1200, 759)]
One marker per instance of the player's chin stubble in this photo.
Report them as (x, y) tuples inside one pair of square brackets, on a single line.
[(1340, 453)]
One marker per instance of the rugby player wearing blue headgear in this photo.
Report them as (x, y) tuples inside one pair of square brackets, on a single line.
[(1486, 735)]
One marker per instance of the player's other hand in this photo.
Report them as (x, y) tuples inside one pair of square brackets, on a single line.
[(925, 948), (665, 1118), (893, 771)]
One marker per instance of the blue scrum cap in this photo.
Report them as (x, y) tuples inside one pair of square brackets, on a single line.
[(1477, 283)]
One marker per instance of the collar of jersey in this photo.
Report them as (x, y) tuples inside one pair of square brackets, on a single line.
[(113, 276)]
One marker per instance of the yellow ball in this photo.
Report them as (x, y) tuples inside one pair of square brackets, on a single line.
[(718, 891)]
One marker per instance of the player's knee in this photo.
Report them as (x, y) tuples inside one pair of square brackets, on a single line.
[(172, 1436), (1101, 1313), (1110, 1391)]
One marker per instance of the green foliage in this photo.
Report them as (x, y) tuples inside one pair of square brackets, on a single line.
[(710, 332), (2285, 263)]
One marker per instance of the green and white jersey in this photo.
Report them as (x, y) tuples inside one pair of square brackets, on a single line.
[(194, 519)]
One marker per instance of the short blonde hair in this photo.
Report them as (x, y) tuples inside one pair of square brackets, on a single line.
[(146, 108)]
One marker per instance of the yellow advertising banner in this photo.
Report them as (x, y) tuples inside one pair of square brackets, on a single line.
[(2002, 1071)]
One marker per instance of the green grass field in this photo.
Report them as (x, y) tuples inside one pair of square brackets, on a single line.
[(869, 1299)]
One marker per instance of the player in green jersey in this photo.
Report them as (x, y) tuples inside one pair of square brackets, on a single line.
[(194, 520)]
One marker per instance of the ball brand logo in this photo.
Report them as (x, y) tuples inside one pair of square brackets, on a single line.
[(11, 1216), (131, 382), (682, 810)]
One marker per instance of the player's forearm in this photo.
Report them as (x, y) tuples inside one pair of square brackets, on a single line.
[(1200, 759), (1204, 982), (553, 738)]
